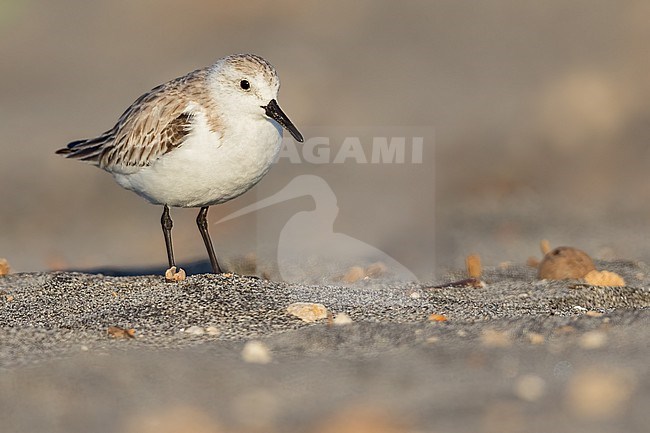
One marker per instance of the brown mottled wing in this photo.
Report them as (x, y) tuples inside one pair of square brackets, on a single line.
[(158, 126), (153, 125)]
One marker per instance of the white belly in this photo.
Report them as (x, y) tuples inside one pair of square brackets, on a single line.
[(207, 168)]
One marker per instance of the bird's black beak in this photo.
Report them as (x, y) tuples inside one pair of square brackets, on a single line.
[(274, 112)]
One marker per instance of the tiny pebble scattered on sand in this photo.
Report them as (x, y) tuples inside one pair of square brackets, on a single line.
[(195, 330), (256, 352), (307, 311)]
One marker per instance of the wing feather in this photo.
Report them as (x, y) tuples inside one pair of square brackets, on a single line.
[(155, 124)]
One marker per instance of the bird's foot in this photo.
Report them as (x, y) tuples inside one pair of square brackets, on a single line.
[(172, 274)]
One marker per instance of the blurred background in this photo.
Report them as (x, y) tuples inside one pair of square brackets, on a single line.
[(541, 113)]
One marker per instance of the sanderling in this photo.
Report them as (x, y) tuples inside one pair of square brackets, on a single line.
[(199, 140)]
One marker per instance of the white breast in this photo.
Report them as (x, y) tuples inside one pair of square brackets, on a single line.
[(209, 167)]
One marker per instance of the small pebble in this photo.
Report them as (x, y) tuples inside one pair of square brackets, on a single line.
[(307, 311), (354, 274), (530, 387), (565, 263), (195, 330), (256, 352), (376, 270), (172, 274), (4, 267), (212, 330), (593, 340), (494, 338), (604, 278), (592, 313), (473, 266), (342, 319), (119, 332), (600, 393)]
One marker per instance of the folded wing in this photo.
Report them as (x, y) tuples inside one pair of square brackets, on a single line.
[(155, 124)]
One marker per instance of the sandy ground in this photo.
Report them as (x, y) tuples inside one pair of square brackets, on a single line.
[(516, 355)]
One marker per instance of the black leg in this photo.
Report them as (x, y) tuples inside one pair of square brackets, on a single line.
[(202, 222), (167, 225)]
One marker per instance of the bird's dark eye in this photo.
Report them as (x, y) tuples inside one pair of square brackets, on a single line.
[(244, 84)]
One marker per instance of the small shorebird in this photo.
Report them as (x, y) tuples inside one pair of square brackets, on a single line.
[(199, 140)]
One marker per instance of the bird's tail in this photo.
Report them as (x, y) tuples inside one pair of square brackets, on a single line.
[(89, 150)]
